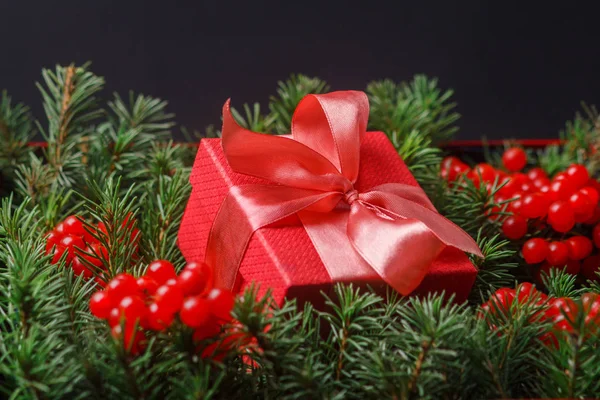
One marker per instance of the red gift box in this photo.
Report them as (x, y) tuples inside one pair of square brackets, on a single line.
[(282, 257)]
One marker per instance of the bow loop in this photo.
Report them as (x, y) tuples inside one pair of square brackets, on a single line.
[(277, 158), (333, 125)]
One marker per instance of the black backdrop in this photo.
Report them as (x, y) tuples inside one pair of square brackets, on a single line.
[(517, 71)]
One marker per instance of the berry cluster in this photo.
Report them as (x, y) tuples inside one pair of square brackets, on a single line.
[(561, 312), (83, 252), (535, 200), (152, 301)]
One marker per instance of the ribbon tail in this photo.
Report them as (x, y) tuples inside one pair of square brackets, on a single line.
[(245, 210), (405, 208), (399, 250)]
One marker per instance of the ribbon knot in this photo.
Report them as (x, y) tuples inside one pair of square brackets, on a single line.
[(351, 196), (393, 231)]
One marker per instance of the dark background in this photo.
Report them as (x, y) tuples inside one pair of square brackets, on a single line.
[(517, 71)]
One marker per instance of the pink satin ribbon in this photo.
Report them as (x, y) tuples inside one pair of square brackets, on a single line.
[(392, 229)]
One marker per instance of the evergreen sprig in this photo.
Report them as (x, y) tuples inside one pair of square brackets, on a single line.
[(289, 94), (16, 131), (399, 109)]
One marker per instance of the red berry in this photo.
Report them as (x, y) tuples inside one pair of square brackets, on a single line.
[(541, 182), (172, 282), (204, 270), (560, 307), (595, 218), (535, 250), (562, 189), (195, 311), (120, 286), (558, 254), (561, 216), (221, 303), (58, 252), (88, 255), (560, 176), (527, 187), (73, 226), (578, 175), (207, 331), (161, 271), (60, 229), (516, 207), (134, 340), (524, 291), (590, 268), (169, 298), (581, 204), (514, 227), (534, 205), (455, 171), (114, 317), (449, 161), (503, 298), (100, 305), (52, 239), (71, 243), (132, 308), (514, 159), (579, 247), (591, 194), (536, 173), (147, 286), (191, 281), (482, 172), (80, 269), (513, 185), (158, 318)]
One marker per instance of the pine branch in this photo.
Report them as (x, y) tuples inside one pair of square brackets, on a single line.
[(69, 104), (422, 159), (560, 284), (418, 105), (572, 371), (16, 131), (121, 237), (289, 94), (496, 269), (35, 359), (253, 119), (162, 214)]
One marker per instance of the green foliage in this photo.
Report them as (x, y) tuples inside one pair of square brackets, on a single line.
[(399, 109), (16, 131), (70, 107), (560, 284), (289, 94), (496, 269), (253, 119)]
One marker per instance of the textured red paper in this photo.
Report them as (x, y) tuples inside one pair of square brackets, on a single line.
[(282, 257)]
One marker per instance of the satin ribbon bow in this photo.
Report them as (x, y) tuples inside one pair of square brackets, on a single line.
[(392, 229)]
